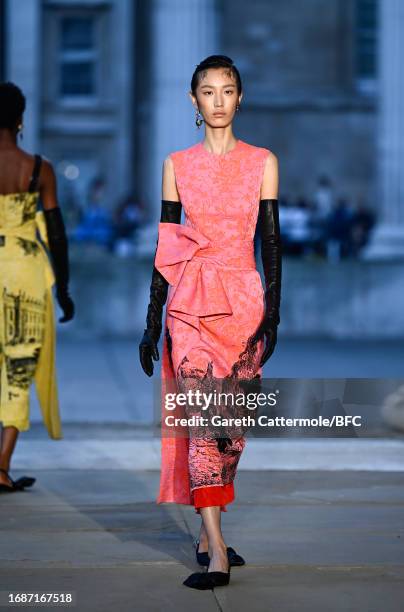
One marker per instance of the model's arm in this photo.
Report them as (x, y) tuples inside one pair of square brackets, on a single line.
[(47, 185), (171, 209), (271, 254), (57, 239), (270, 180), (169, 187)]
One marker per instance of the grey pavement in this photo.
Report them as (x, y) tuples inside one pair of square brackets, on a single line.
[(319, 521), (312, 540), (78, 452)]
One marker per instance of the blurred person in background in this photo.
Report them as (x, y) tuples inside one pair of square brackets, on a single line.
[(295, 217), (362, 223), (95, 226), (339, 225), (323, 197), (221, 325), (27, 327), (127, 220), (323, 201)]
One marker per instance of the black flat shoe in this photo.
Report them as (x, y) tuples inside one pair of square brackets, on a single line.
[(25, 481), (16, 485), (207, 580), (202, 558), (6, 489)]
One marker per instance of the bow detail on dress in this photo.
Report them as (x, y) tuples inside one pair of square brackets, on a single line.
[(188, 260)]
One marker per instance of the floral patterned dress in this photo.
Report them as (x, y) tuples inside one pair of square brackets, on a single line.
[(215, 304)]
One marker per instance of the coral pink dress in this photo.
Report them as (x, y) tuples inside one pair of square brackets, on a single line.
[(215, 304)]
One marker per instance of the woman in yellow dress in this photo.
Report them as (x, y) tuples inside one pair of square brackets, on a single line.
[(27, 327)]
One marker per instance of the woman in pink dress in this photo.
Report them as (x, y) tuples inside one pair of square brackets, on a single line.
[(220, 324)]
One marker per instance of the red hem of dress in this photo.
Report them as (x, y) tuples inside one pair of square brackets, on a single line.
[(213, 496)]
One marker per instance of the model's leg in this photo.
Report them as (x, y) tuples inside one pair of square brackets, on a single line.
[(203, 536), (204, 459), (217, 551), (9, 437), (203, 539)]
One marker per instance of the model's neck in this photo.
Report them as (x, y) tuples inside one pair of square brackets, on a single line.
[(8, 139)]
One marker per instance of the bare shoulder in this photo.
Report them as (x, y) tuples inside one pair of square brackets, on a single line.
[(168, 164), (271, 159), (29, 160), (168, 168), (169, 186), (270, 179), (47, 184), (47, 181), (47, 171)]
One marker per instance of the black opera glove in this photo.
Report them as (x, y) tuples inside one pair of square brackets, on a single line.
[(58, 248), (271, 254), (148, 350)]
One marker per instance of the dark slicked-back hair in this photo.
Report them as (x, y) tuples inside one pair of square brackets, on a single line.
[(215, 61)]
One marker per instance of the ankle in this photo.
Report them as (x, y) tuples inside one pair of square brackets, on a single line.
[(217, 548), (219, 561), (203, 536), (4, 463)]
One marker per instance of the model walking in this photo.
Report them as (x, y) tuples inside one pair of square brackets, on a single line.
[(27, 329), (218, 314)]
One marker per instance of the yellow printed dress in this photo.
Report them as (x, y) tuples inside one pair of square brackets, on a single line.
[(27, 327)]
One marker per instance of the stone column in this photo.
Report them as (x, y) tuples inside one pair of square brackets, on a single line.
[(125, 76), (23, 29), (183, 33), (388, 238)]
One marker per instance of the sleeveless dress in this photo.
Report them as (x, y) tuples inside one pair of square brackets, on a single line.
[(27, 327), (215, 303)]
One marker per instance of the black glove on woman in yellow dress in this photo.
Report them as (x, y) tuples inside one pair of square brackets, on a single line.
[(148, 350), (271, 254), (58, 248)]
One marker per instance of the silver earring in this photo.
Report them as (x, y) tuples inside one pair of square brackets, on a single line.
[(19, 128), (198, 119)]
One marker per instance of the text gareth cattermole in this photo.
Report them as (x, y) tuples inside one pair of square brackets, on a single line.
[(196, 397)]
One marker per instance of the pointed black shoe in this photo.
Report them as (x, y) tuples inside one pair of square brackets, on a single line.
[(202, 558), (207, 580)]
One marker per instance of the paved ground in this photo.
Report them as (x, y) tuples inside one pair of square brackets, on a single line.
[(313, 541), (136, 451), (319, 521)]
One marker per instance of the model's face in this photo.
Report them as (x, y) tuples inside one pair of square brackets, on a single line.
[(217, 97)]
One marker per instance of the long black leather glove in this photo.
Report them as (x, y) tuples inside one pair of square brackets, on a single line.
[(148, 350), (271, 254), (58, 248)]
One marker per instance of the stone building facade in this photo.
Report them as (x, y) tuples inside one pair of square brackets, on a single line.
[(107, 84)]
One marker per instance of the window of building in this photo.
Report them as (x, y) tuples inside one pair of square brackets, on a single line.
[(78, 56), (366, 26)]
